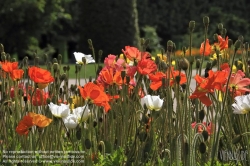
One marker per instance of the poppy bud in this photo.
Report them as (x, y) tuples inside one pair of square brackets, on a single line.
[(220, 26), (127, 79), (48, 100), (123, 74), (201, 115), (237, 44), (54, 60), (224, 32), (237, 139), (84, 60), (3, 56), (94, 124), (209, 65), (78, 133), (8, 57), (90, 42), (202, 147), (241, 38), (13, 60), (205, 135), (206, 21), (178, 79), (1, 48), (184, 49), (214, 62), (170, 45), (191, 26), (184, 64), (198, 63), (59, 57), (49, 65), (65, 68), (215, 37), (87, 143), (55, 67)]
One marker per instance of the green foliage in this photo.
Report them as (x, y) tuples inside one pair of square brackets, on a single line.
[(116, 158), (23, 20)]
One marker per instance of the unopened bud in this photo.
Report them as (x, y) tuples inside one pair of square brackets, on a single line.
[(220, 26), (215, 37), (191, 26), (202, 147), (184, 49), (184, 64), (3, 56), (59, 57), (241, 38), (55, 66), (90, 42), (198, 63), (209, 65), (206, 21), (224, 31), (178, 79), (201, 115), (84, 60), (54, 60), (237, 44), (170, 45)]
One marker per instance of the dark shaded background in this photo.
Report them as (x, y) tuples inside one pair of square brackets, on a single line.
[(63, 26)]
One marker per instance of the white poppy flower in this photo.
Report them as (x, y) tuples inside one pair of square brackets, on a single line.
[(152, 102), (81, 113), (59, 111), (241, 105), (79, 56), (70, 121)]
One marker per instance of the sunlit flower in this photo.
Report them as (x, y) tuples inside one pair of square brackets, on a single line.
[(241, 105), (79, 56), (95, 94), (24, 125), (40, 76), (146, 66), (16, 74), (81, 113), (238, 83), (39, 120), (8, 67), (152, 102), (70, 121), (59, 111), (132, 53)]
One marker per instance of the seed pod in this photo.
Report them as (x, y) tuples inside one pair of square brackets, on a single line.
[(78, 133), (202, 147), (237, 139), (184, 64), (201, 115), (87, 143), (205, 134)]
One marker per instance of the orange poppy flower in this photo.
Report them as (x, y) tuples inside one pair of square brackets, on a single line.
[(16, 74), (132, 53), (95, 94), (9, 66), (222, 43), (24, 125), (207, 48), (156, 80), (215, 80), (40, 76), (39, 98), (108, 76), (39, 120), (146, 66)]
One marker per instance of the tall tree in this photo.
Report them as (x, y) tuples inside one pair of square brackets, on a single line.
[(111, 25)]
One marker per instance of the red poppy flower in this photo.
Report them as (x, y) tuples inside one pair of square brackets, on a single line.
[(16, 74), (39, 98), (208, 127), (156, 80), (207, 48), (39, 120), (40, 76), (146, 66), (24, 125), (132, 53), (215, 80), (95, 94), (9, 66), (222, 43)]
